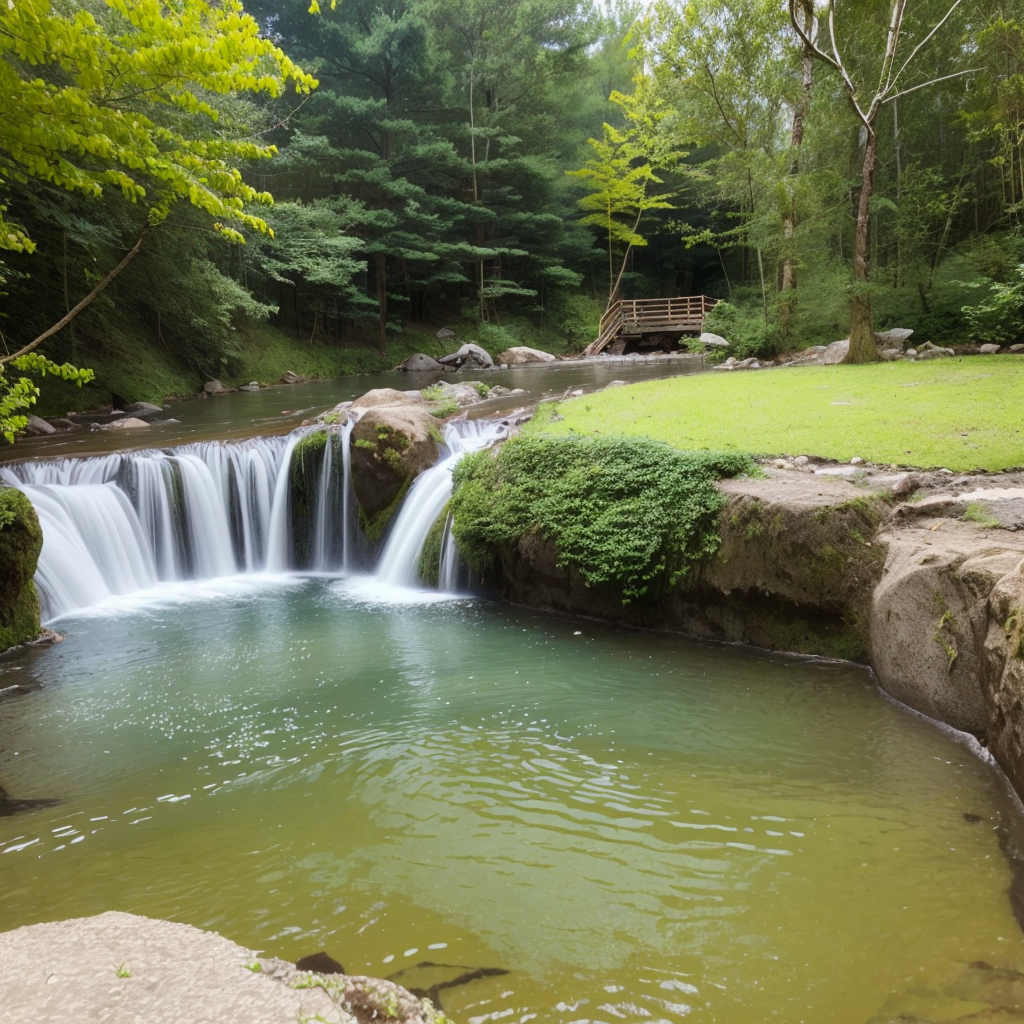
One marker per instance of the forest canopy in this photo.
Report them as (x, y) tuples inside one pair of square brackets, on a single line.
[(500, 170)]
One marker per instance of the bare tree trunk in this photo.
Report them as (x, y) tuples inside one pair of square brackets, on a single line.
[(71, 314), (862, 327)]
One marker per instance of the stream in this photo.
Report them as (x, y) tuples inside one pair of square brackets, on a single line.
[(528, 817)]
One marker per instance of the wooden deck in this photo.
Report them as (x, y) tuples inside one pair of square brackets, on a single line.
[(631, 318)]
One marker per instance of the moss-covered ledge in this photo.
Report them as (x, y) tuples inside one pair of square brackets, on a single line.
[(21, 540)]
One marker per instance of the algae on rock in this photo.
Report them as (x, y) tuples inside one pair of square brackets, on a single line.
[(21, 540)]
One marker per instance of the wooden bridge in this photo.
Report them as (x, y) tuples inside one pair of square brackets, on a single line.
[(633, 318)]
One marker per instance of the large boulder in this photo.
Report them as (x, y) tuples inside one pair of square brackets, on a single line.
[(712, 340), (893, 338), (391, 445), (521, 355), (38, 427), (214, 387), (419, 362), (380, 398), (836, 352), (469, 355), (120, 967)]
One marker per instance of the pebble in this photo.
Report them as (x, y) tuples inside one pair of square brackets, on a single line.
[(856, 461)]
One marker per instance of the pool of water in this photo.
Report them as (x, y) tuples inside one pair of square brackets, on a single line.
[(277, 410), (632, 826)]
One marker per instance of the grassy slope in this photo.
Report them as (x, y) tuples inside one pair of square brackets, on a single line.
[(963, 414)]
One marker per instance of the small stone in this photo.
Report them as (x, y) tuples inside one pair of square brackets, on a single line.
[(947, 472), (801, 460), (779, 463), (906, 483), (214, 387), (912, 352), (856, 461), (144, 410), (290, 377), (989, 350), (128, 423), (615, 384), (578, 393), (251, 386)]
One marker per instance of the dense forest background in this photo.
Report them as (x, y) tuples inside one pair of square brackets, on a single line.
[(500, 168)]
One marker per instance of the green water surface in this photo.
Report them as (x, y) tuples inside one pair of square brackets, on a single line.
[(635, 827)]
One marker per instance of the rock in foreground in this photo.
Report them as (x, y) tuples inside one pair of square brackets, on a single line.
[(120, 967)]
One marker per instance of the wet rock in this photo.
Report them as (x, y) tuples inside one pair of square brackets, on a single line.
[(38, 427), (391, 446), (385, 397), (521, 355), (214, 387), (989, 350), (469, 355), (128, 423), (144, 410), (320, 963), (465, 392), (712, 340), (836, 352), (289, 377), (420, 362), (616, 384), (253, 385), (9, 806)]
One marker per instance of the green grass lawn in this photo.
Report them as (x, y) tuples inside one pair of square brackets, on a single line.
[(960, 414)]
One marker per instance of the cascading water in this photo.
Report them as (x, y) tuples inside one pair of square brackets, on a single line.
[(399, 563), (118, 524)]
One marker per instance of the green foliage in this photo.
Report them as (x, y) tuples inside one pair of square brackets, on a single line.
[(113, 97), (976, 512), (21, 393), (622, 511), (445, 408), (742, 325), (999, 317)]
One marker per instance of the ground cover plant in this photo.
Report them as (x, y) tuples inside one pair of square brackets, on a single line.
[(961, 415), (625, 511)]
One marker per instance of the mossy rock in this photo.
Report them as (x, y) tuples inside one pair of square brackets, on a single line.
[(390, 447), (305, 471), (21, 540)]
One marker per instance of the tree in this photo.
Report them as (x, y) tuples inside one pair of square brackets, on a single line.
[(134, 97), (619, 175), (891, 86)]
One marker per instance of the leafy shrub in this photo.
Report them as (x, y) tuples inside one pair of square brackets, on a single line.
[(624, 511), (997, 318), (743, 326)]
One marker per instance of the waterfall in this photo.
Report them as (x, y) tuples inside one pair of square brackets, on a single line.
[(399, 563), (122, 523)]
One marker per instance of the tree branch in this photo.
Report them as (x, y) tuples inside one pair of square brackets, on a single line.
[(917, 49), (65, 320), (931, 81)]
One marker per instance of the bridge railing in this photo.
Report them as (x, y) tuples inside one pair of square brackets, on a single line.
[(637, 316)]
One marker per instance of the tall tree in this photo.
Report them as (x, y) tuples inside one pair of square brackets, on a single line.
[(892, 83)]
